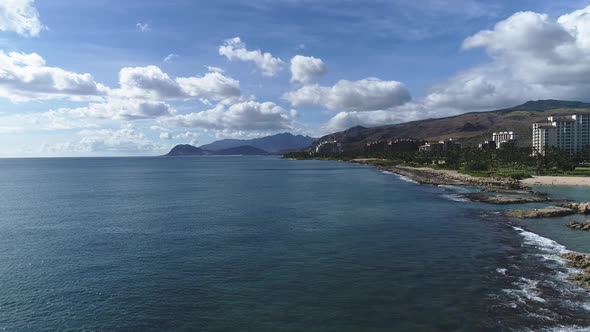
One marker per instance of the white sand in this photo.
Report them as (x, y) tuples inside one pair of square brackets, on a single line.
[(558, 180)]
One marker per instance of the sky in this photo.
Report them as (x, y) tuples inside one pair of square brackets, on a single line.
[(136, 77)]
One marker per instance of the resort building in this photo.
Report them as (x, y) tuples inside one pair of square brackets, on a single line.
[(328, 147), (569, 133), (393, 145), (488, 145), (441, 146), (505, 137)]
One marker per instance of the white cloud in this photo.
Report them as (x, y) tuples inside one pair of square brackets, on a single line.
[(165, 135), (152, 82), (364, 95), (187, 134), (244, 116), (24, 76), (20, 16), (532, 57), (43, 121), (192, 137), (215, 69), (171, 57), (143, 27), (91, 116), (306, 69), (126, 109), (126, 139), (404, 113), (235, 49)]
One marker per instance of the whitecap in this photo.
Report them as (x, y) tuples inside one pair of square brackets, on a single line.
[(455, 198), (542, 243), (566, 329), (526, 290), (405, 178)]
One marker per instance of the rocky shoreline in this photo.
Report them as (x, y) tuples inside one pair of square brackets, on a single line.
[(444, 177), (582, 262), (580, 225), (561, 210), (494, 190), (506, 191)]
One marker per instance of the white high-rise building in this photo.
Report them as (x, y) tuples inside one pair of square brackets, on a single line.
[(569, 133)]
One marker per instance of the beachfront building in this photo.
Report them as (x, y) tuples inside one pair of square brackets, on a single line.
[(440, 146), (488, 145), (505, 137), (328, 147), (393, 145), (569, 133), (403, 145)]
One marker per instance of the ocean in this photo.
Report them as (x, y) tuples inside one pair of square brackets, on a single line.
[(267, 244)]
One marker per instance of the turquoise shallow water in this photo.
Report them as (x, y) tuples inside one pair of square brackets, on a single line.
[(264, 244), (555, 228)]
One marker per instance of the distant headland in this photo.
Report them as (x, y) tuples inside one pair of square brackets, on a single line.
[(275, 144)]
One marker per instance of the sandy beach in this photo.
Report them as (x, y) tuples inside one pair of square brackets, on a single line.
[(558, 180)]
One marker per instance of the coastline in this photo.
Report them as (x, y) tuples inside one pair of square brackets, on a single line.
[(557, 181), (579, 261)]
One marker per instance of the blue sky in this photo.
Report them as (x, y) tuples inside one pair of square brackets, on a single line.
[(92, 78)]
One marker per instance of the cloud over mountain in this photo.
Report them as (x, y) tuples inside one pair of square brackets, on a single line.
[(364, 95), (532, 57), (244, 116)]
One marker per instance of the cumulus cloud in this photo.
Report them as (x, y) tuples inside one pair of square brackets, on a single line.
[(126, 139), (91, 116), (306, 69), (143, 27), (244, 116), (165, 135), (191, 137), (152, 82), (20, 16), (364, 95), (215, 69), (235, 49), (187, 134), (407, 112), (532, 57), (24, 76), (170, 57), (126, 109)]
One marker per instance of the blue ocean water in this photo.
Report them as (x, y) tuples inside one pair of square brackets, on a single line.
[(265, 244)]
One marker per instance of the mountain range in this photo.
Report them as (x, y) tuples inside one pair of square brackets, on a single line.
[(275, 144), (468, 128), (279, 143)]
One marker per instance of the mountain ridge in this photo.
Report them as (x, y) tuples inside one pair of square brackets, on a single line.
[(469, 128), (187, 150), (278, 143)]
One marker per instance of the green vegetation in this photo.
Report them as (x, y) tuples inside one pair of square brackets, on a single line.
[(510, 161)]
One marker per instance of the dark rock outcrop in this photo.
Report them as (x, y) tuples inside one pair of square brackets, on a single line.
[(579, 207), (582, 262), (581, 225), (547, 212), (516, 197)]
